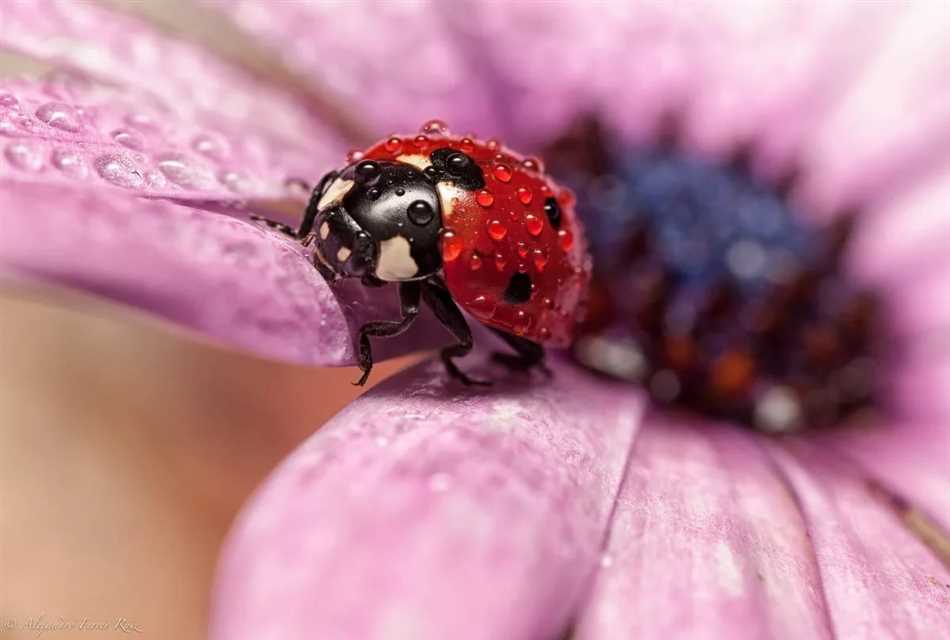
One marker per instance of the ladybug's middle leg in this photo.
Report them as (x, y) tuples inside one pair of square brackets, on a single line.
[(528, 354), (438, 298), (409, 293)]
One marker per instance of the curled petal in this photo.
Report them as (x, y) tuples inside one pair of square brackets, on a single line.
[(222, 277), (428, 511), (706, 542)]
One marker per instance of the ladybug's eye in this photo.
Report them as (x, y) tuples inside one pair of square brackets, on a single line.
[(367, 170)]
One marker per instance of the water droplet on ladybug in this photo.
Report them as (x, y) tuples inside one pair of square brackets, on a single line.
[(566, 239), (59, 115), (500, 261), (420, 212), (482, 306), (522, 322), (467, 145), (540, 257), (374, 193), (502, 172), (393, 144), (545, 333), (532, 164), (548, 303), (497, 230), (522, 249), (525, 195), (451, 246), (522, 267), (484, 198), (421, 141), (533, 224), (400, 191), (475, 262), (435, 126), (493, 143), (354, 155), (367, 170)]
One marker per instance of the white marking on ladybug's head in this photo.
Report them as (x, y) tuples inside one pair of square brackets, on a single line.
[(334, 194), (343, 254), (395, 261), (420, 162), (324, 231), (448, 196)]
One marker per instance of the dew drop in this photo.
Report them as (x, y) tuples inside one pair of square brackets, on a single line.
[(475, 262), (435, 126), (484, 198), (522, 267), (502, 172), (482, 307), (235, 181), (566, 239), (140, 121), (497, 230), (120, 171), (7, 128), (467, 145), (522, 249), (9, 101), (545, 333), (500, 261), (451, 246), (540, 257), (69, 162), (154, 179), (493, 144), (381, 441), (548, 303), (532, 164), (129, 139), (354, 155), (533, 224), (421, 141), (522, 322), (393, 144), (606, 560), (184, 172), (25, 123), (525, 195), (209, 146), (24, 156), (59, 115)]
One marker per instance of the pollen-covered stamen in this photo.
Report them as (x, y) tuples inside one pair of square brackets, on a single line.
[(709, 291)]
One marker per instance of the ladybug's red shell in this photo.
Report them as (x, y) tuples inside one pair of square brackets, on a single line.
[(491, 234)]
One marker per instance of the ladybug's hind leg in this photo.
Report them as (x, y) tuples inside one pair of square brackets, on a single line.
[(528, 355), (438, 298)]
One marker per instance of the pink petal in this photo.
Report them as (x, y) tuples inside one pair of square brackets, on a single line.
[(706, 542), (428, 511), (879, 580), (396, 64), (222, 277)]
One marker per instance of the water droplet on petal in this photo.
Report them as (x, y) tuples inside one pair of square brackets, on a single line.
[(393, 144), (7, 128), (354, 155), (381, 441), (525, 195), (451, 246), (154, 179), (484, 198), (9, 101), (502, 172), (59, 115), (210, 146), (235, 181), (497, 230), (533, 224), (140, 121), (129, 139), (25, 123), (184, 172), (566, 239), (438, 127), (120, 171), (606, 560), (24, 156), (70, 163)]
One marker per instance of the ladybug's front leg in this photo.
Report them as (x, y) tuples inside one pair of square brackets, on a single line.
[(409, 302), (438, 298)]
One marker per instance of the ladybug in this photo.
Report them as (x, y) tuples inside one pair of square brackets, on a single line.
[(456, 222)]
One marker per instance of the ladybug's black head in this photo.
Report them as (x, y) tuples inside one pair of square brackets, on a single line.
[(379, 219)]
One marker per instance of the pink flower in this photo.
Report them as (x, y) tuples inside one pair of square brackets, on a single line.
[(425, 510)]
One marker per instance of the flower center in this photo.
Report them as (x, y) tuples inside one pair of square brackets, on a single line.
[(712, 292)]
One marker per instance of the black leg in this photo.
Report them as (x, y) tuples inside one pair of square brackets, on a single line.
[(409, 303), (528, 354), (437, 296), (312, 207), (309, 216)]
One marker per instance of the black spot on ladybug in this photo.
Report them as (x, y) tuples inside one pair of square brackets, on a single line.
[(454, 166), (553, 211), (420, 212), (367, 170), (519, 289)]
